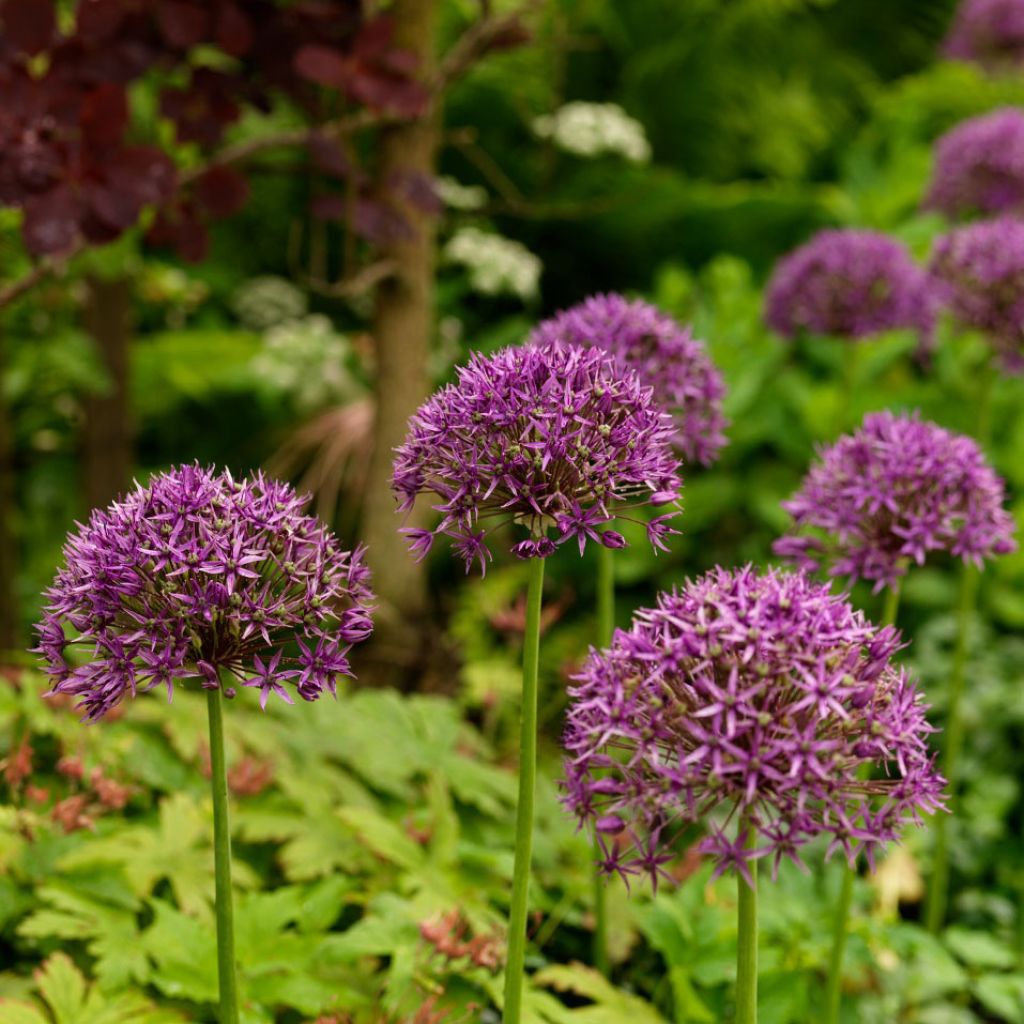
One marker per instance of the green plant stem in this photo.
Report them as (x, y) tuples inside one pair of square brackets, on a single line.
[(834, 985), (938, 888), (524, 808), (605, 629), (222, 863), (746, 949)]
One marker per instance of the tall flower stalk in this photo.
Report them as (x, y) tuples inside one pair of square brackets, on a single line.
[(202, 577), (750, 705), (554, 438)]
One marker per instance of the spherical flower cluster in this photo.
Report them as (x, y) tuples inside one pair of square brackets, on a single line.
[(549, 438), (849, 283), (989, 33), (202, 576), (978, 272), (979, 166), (594, 129), (889, 494), (664, 355), (754, 706)]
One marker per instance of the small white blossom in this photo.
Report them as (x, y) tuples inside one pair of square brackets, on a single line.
[(266, 301), (460, 197), (308, 361), (496, 265), (593, 129)]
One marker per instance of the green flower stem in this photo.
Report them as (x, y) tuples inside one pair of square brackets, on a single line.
[(938, 887), (746, 948), (834, 985), (222, 863), (524, 808), (605, 629)]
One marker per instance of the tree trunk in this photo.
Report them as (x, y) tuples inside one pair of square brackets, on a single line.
[(402, 328), (107, 434), (10, 626)]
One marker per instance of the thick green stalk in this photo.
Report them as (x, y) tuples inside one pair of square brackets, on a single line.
[(834, 984), (938, 887), (746, 949), (524, 808), (605, 629), (222, 863)]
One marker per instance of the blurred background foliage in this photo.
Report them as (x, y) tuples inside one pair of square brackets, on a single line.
[(359, 827)]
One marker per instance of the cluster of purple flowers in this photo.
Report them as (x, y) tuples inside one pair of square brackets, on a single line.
[(749, 704), (891, 493), (849, 283), (199, 575), (979, 166), (978, 271), (555, 437), (989, 33), (664, 354)]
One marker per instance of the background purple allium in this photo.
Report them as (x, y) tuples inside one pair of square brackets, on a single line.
[(556, 437), (979, 276), (748, 704), (890, 493), (199, 575), (979, 166), (665, 356), (988, 32), (849, 283)]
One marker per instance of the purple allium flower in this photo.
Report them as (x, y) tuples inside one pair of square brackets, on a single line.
[(557, 437), (750, 705), (664, 354), (979, 166), (891, 493), (848, 283), (988, 32), (979, 277), (201, 576)]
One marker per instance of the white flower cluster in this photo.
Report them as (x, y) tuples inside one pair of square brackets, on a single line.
[(307, 360), (593, 129), (457, 196), (263, 302), (496, 265)]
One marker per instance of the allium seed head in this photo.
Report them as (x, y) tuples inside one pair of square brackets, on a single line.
[(760, 707), (201, 576), (665, 356), (848, 283), (558, 437), (989, 33), (979, 166), (979, 278), (891, 493)]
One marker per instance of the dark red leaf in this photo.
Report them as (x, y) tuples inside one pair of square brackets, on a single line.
[(389, 93), (111, 210), (328, 155), (149, 173), (180, 227), (104, 115), (328, 206), (50, 223), (323, 65), (182, 24), (418, 190), (222, 191), (379, 223), (374, 38), (193, 240), (234, 31), (97, 20), (29, 25)]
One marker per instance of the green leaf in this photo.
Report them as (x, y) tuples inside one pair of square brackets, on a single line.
[(610, 1005), (383, 837), (1003, 995), (978, 949), (184, 954), (16, 1012), (63, 987)]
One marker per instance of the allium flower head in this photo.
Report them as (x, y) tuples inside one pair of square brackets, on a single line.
[(989, 33), (848, 283), (750, 705), (201, 576), (558, 437), (979, 277), (891, 493), (664, 355), (979, 166)]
